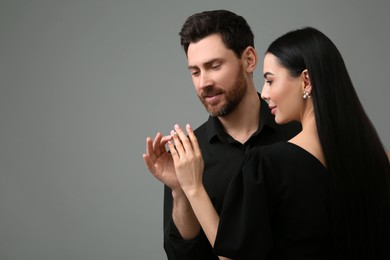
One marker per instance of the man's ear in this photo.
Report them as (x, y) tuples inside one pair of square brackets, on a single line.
[(249, 57)]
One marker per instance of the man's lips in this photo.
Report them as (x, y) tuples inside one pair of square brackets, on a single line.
[(211, 97)]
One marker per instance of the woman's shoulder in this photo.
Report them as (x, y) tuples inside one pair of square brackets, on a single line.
[(277, 150), (282, 155)]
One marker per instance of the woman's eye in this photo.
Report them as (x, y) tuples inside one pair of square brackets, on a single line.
[(269, 82)]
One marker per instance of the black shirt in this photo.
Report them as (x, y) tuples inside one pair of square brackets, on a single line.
[(222, 157), (277, 207)]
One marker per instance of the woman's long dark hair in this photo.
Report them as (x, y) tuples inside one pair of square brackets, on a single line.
[(354, 154)]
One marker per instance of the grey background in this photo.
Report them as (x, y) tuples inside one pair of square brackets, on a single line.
[(82, 83)]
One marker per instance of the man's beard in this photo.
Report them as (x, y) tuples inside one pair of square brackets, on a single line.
[(233, 97)]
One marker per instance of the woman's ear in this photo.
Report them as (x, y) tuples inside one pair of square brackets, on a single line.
[(249, 57), (306, 82)]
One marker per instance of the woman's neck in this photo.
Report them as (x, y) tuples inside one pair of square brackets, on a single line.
[(308, 139)]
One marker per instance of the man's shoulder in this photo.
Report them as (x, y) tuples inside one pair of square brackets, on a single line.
[(204, 133), (201, 132), (201, 129)]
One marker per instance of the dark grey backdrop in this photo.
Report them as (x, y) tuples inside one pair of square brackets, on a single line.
[(82, 83)]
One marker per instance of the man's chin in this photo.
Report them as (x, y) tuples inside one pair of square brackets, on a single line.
[(213, 112), (220, 112)]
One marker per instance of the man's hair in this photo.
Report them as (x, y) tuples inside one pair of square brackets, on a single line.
[(233, 29)]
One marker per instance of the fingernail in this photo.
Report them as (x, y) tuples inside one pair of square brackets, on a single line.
[(177, 126), (173, 133), (188, 126)]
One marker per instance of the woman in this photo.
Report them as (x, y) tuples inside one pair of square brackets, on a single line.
[(325, 194)]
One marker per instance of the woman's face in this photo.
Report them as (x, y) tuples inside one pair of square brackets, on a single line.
[(282, 91)]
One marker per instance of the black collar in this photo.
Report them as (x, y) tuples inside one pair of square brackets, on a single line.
[(215, 129)]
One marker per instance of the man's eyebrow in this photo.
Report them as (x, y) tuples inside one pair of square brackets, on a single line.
[(206, 64), (267, 73)]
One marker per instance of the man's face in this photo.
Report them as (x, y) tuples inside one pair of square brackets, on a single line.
[(218, 75)]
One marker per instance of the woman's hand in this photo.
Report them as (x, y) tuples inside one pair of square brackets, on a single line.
[(187, 159), (189, 165)]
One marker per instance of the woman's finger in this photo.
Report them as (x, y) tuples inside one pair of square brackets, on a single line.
[(178, 145), (194, 140), (185, 141), (172, 149)]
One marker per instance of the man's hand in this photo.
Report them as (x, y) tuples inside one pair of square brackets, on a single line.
[(159, 162)]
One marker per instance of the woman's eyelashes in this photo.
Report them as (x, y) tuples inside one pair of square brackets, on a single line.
[(269, 82)]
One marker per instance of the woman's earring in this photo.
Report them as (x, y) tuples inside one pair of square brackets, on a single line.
[(306, 95)]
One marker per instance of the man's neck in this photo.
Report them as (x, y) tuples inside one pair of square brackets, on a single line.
[(244, 120)]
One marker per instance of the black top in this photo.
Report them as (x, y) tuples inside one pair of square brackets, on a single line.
[(277, 207), (222, 157)]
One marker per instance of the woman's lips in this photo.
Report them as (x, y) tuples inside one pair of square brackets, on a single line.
[(273, 109)]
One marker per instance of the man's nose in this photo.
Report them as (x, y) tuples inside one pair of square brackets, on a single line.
[(205, 80)]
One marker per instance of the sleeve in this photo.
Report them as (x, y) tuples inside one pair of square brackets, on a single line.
[(174, 245), (245, 228)]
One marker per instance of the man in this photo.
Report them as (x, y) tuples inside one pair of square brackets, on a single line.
[(221, 59)]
